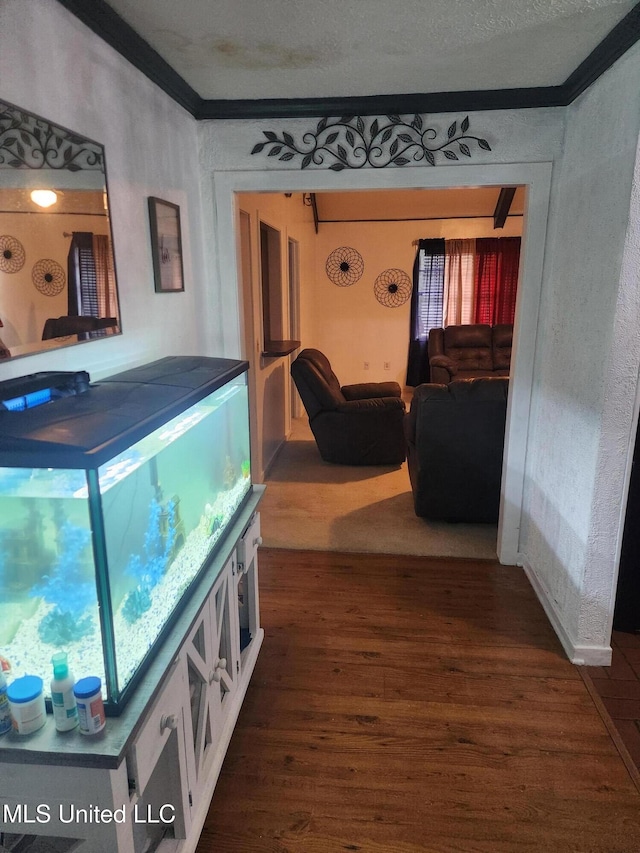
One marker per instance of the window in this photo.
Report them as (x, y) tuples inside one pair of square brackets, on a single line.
[(430, 275), (466, 281), (83, 286)]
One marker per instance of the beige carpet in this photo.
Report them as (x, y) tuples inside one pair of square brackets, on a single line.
[(311, 504)]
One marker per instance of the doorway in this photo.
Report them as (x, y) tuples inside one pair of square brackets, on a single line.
[(536, 178)]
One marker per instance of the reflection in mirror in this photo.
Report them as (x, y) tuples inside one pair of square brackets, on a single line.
[(57, 271)]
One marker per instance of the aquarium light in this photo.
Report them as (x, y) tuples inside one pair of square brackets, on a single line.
[(28, 401)]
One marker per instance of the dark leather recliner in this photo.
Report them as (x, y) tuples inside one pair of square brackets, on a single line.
[(455, 444), (466, 352), (358, 424)]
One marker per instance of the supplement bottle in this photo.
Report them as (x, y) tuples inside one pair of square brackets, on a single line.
[(65, 710), (88, 693), (26, 699)]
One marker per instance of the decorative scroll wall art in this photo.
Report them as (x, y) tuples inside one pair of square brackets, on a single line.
[(351, 142), (344, 266), (48, 277), (30, 142), (11, 254), (392, 288)]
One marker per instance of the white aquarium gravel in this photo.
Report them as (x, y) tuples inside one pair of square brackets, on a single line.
[(29, 655)]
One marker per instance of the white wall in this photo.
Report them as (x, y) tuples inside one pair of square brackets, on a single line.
[(54, 66), (583, 414)]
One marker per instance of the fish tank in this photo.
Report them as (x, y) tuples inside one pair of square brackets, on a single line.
[(114, 497)]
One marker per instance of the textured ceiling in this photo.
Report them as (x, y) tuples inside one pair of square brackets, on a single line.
[(257, 49), (413, 204)]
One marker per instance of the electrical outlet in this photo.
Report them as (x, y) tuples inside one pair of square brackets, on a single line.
[(366, 365), (387, 365)]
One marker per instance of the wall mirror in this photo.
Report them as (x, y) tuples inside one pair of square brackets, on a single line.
[(57, 271)]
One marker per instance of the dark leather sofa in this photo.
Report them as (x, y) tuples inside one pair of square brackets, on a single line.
[(455, 443), (358, 424), (466, 352)]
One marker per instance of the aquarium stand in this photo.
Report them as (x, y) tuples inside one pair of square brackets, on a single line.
[(129, 535), (145, 783)]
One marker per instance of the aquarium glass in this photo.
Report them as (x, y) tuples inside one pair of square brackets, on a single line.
[(48, 599), (166, 502), (159, 509)]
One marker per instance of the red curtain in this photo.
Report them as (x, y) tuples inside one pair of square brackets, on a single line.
[(496, 274)]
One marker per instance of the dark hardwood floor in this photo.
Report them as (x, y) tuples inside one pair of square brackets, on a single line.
[(405, 704), (616, 690)]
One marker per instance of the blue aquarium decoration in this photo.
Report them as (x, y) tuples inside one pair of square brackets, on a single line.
[(159, 542), (67, 589)]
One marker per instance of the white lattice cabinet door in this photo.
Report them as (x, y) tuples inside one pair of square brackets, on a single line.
[(247, 594), (211, 668), (224, 630), (158, 771)]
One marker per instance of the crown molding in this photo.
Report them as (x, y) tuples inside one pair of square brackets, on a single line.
[(429, 102), (113, 29), (107, 24), (623, 36)]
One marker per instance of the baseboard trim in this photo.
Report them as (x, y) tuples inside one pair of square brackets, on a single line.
[(578, 654)]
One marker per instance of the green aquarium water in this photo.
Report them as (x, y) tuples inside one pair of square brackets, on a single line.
[(125, 540)]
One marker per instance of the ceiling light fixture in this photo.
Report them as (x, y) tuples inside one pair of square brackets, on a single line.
[(44, 198)]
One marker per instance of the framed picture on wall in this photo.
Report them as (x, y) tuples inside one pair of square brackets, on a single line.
[(166, 245)]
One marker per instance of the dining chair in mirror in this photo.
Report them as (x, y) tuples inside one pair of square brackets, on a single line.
[(57, 269)]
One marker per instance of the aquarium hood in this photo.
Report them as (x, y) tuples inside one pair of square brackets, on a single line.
[(84, 430)]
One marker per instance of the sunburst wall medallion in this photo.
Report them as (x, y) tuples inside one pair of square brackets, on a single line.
[(48, 277), (344, 266), (11, 254), (392, 288)]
